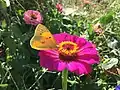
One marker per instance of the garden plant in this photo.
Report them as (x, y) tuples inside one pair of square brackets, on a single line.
[(59, 44)]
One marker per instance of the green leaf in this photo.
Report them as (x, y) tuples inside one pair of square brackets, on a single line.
[(4, 23), (90, 32), (5, 33), (20, 12), (107, 18), (3, 85), (66, 20), (16, 30), (26, 36), (110, 63), (90, 29), (9, 42), (3, 4)]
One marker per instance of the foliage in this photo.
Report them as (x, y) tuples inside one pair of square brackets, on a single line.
[(19, 63)]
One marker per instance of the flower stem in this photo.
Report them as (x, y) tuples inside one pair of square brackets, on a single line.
[(64, 79)]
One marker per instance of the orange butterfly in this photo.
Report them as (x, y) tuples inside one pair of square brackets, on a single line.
[(42, 39)]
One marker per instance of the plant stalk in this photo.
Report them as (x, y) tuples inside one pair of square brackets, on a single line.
[(64, 79)]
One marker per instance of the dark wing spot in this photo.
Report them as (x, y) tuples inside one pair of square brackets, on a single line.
[(49, 37), (43, 42)]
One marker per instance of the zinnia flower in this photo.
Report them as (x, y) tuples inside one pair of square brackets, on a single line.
[(73, 53), (59, 7), (98, 28), (32, 17), (86, 1), (117, 87)]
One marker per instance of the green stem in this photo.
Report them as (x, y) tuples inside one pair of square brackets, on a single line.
[(64, 79)]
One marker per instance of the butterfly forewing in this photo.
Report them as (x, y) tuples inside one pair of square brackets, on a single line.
[(43, 39), (40, 29)]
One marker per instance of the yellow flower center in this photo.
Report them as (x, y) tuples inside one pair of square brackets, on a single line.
[(68, 50)]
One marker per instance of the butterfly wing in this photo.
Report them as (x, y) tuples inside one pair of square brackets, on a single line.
[(42, 39)]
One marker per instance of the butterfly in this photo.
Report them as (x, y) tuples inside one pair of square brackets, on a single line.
[(43, 39)]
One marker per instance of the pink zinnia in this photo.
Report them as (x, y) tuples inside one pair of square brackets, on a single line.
[(98, 28), (32, 17), (86, 1), (73, 53), (59, 7)]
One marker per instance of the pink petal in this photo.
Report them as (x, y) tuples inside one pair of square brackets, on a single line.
[(89, 55), (80, 41), (87, 45), (62, 37), (50, 59), (89, 51), (79, 67), (89, 59)]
